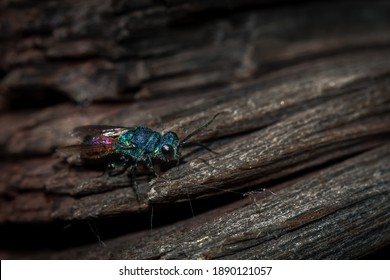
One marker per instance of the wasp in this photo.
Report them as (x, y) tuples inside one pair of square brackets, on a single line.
[(129, 146)]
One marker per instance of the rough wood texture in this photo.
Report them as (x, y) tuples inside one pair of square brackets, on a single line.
[(304, 111), (311, 219)]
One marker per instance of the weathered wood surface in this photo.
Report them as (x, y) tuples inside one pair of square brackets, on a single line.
[(313, 218), (304, 110)]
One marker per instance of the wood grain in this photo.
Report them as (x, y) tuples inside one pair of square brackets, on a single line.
[(300, 167)]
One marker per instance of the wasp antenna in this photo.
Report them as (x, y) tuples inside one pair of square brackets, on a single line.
[(198, 129), (200, 144)]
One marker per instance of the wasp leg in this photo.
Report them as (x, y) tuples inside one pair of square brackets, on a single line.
[(115, 169), (132, 167), (149, 163)]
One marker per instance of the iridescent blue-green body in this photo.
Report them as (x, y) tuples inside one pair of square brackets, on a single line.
[(142, 144), (129, 145)]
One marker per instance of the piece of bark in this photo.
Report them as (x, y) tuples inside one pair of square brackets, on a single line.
[(331, 214), (303, 129), (297, 91)]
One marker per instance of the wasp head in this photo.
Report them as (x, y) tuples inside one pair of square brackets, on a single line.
[(169, 146)]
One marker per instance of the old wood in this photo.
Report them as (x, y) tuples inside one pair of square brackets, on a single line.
[(311, 219), (303, 110)]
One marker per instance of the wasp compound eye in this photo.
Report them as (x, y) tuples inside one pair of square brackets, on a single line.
[(168, 151)]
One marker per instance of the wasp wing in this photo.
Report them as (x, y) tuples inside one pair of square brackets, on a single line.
[(98, 130), (87, 151)]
